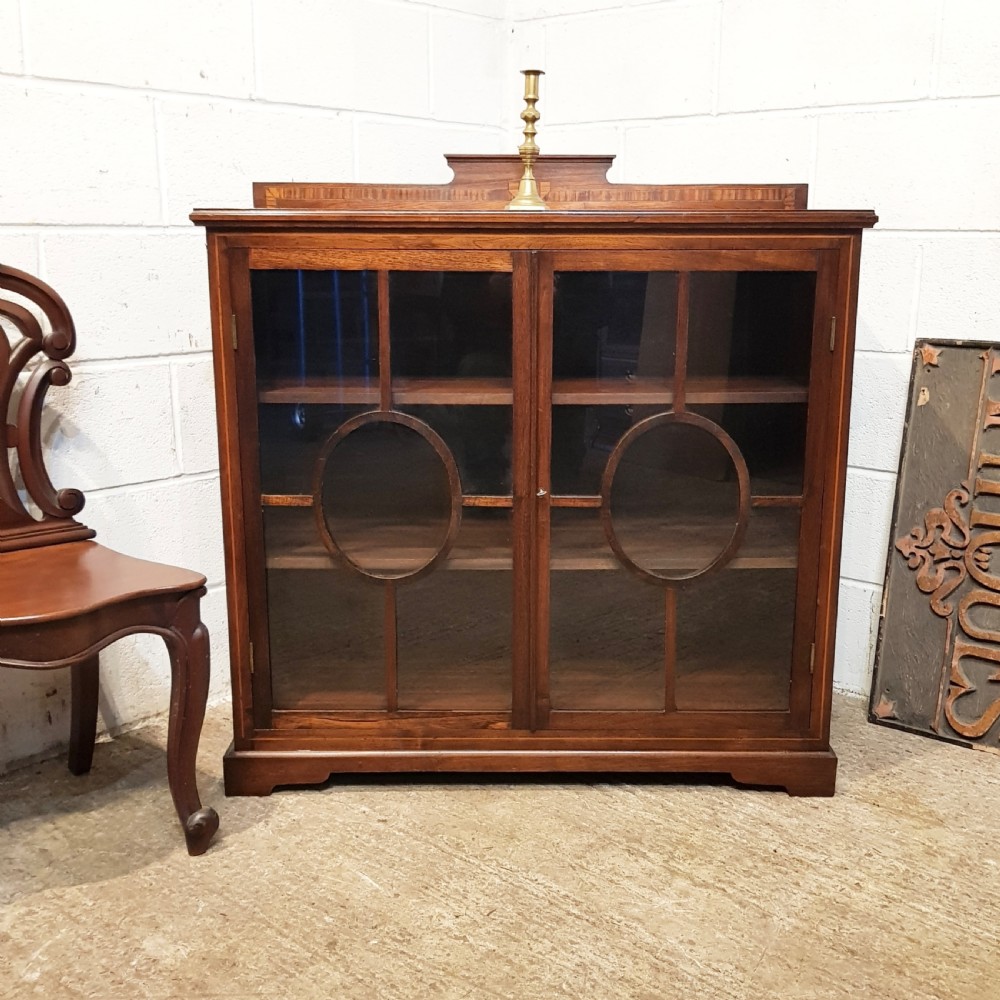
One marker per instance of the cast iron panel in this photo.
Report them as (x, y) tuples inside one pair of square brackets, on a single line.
[(937, 666)]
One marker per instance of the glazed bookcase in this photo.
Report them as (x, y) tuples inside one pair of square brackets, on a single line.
[(551, 490)]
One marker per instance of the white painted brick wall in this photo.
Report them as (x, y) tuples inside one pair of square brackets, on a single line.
[(668, 64), (172, 521), (865, 542), (10, 37), (887, 297), (169, 46), (960, 296), (927, 161), (390, 149), (118, 118), (969, 49), (154, 307), (371, 56), (857, 618), (212, 151), (704, 150), (82, 155), (103, 437), (788, 54), (877, 410), (194, 406), (466, 60), (22, 247)]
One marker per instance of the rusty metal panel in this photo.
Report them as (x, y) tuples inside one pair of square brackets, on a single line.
[(937, 665)]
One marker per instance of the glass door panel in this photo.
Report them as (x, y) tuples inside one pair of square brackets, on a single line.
[(385, 438), (614, 326), (606, 649), (751, 325), (325, 642), (291, 436), (454, 628), (480, 439), (451, 335), (771, 437), (314, 327), (672, 498), (316, 355), (692, 465), (734, 641), (452, 349)]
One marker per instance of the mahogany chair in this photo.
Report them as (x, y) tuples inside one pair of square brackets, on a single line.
[(64, 597)]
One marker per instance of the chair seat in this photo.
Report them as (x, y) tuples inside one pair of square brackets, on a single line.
[(64, 581)]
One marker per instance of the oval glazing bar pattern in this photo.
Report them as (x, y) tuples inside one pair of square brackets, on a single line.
[(322, 503), (627, 442)]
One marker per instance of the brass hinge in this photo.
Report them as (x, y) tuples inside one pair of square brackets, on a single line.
[(812, 657), (232, 330), (251, 659), (833, 331)]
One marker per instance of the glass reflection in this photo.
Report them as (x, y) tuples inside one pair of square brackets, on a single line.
[(290, 439), (479, 438), (609, 329), (310, 324)]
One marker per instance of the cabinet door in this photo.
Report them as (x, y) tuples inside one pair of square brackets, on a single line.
[(382, 430), (679, 498)]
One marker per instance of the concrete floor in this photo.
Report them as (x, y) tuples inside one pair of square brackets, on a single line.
[(530, 890)]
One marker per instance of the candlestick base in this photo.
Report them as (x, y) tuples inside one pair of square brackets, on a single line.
[(528, 197)]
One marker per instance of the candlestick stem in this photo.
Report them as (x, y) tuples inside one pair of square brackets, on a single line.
[(528, 196)]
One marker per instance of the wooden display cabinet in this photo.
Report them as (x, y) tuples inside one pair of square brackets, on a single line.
[(549, 490)]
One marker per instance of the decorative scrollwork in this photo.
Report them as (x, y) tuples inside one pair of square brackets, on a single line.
[(937, 550), (944, 553), (18, 529)]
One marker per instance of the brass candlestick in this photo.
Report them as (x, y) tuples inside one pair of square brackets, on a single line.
[(528, 197)]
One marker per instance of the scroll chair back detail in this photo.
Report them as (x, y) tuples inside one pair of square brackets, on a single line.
[(64, 597), (18, 529)]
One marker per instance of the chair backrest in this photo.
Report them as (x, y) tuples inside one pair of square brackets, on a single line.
[(22, 431)]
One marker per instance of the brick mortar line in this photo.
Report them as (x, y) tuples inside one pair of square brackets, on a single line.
[(137, 362), (820, 110), (248, 100), (124, 489)]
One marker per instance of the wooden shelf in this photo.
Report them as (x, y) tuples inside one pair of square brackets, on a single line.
[(565, 392), (292, 542), (699, 389), (412, 391)]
